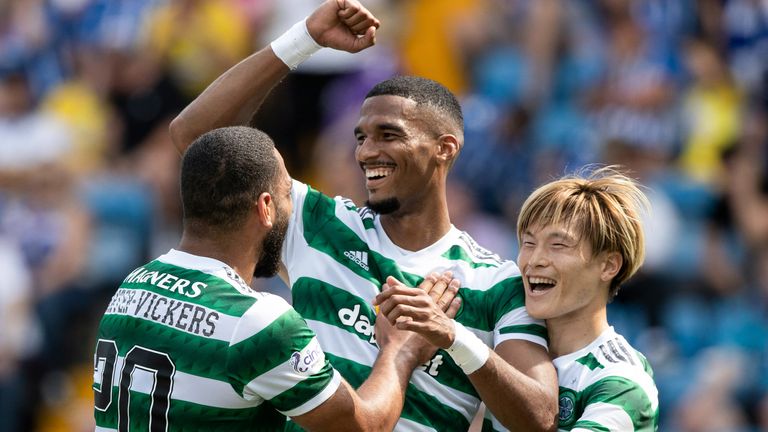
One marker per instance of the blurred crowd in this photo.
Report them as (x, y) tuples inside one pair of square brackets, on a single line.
[(674, 90)]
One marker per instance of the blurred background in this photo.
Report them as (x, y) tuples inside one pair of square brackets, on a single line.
[(675, 90)]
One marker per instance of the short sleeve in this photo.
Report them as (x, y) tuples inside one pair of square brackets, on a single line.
[(616, 403), (274, 356)]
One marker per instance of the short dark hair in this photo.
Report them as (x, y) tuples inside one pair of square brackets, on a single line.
[(223, 172), (422, 91)]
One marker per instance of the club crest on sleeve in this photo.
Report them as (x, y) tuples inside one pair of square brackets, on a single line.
[(567, 405)]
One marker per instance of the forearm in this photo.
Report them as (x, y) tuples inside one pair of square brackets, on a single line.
[(517, 400), (375, 406), (382, 395), (235, 95), (231, 99), (518, 383)]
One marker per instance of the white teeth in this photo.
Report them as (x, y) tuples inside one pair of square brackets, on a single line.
[(541, 280), (377, 172)]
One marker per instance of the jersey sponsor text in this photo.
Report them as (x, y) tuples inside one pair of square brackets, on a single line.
[(166, 281)]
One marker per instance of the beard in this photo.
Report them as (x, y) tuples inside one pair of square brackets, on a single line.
[(385, 206), (269, 260)]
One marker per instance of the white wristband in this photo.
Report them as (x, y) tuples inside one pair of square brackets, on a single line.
[(295, 45), (468, 351)]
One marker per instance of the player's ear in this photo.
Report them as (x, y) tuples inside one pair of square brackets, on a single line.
[(448, 148), (265, 209), (611, 266)]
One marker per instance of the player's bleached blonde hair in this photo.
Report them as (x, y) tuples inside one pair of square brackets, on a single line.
[(602, 205)]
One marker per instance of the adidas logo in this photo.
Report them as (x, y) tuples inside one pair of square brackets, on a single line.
[(360, 258)]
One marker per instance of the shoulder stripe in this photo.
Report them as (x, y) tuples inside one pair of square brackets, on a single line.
[(366, 213), (478, 251), (606, 354), (625, 351), (615, 351), (457, 253)]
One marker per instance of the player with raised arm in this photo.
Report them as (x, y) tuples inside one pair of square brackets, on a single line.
[(186, 344), (337, 256)]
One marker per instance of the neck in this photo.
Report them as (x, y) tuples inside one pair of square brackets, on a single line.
[(569, 334), (225, 248), (418, 230)]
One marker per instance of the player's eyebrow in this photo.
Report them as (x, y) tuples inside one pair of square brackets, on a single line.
[(383, 127), (557, 235), (561, 236), (391, 127)]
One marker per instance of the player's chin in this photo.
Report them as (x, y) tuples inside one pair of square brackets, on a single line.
[(383, 205), (537, 311)]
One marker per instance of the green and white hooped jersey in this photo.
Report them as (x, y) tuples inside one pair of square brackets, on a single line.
[(607, 386), (185, 344), (338, 256)]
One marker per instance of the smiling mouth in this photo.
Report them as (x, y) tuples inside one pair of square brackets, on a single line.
[(540, 284), (375, 175), (378, 173)]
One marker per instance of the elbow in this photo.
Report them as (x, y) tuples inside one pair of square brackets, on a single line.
[(548, 416), (550, 424), (376, 421), (540, 422), (544, 417), (180, 133)]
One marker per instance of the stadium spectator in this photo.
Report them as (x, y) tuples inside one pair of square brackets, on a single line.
[(42, 215), (712, 113), (197, 40)]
